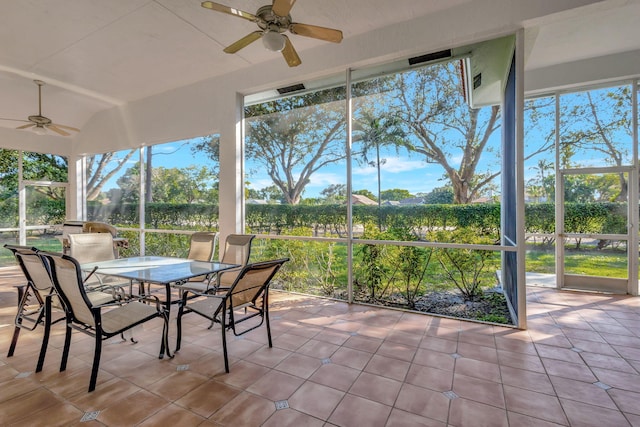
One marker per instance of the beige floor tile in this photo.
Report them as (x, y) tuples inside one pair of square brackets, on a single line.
[(465, 412), (357, 411), (316, 400), (377, 388), (578, 363), (276, 385), (245, 410), (336, 376)]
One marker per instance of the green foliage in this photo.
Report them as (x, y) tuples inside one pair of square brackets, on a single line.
[(312, 265), (466, 268), (331, 220), (372, 268), (439, 196), (396, 194), (412, 264)]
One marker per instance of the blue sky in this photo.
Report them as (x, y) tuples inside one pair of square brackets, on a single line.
[(400, 170)]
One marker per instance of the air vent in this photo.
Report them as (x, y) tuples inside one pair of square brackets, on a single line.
[(430, 57), (477, 80), (290, 89)]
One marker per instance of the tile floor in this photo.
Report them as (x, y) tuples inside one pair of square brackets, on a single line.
[(333, 364)]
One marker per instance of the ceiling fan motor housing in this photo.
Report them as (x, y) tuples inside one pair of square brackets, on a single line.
[(268, 20)]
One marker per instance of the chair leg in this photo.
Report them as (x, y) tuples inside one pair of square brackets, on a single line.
[(16, 331), (164, 346), (14, 341), (67, 344), (179, 326), (266, 318), (96, 361), (47, 332), (224, 341)]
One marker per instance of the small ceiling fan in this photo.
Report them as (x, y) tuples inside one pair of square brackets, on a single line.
[(40, 123), (273, 20)]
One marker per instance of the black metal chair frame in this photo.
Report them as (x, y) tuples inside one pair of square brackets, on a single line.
[(225, 314), (96, 330), (30, 319)]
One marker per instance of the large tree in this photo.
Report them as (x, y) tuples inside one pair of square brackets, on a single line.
[(446, 130), (599, 122), (172, 185), (292, 138), (102, 167)]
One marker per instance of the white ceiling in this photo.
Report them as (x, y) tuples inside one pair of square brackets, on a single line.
[(97, 54)]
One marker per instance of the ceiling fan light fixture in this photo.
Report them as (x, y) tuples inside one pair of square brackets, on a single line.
[(273, 41), (39, 130)]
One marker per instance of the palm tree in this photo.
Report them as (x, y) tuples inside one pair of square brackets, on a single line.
[(374, 131)]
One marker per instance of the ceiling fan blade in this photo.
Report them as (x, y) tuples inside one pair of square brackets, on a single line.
[(56, 129), (65, 127), (290, 54), (15, 120), (243, 42), (230, 10), (282, 7), (26, 126), (322, 33)]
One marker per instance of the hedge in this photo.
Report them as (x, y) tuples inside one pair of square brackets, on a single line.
[(332, 219)]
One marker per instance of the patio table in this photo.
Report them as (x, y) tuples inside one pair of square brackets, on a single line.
[(156, 270)]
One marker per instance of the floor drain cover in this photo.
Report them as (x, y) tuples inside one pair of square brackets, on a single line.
[(89, 416), (282, 404), (450, 394), (182, 368)]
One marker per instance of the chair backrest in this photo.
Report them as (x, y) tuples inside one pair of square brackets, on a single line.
[(32, 268), (90, 247), (252, 281), (67, 280), (202, 246), (99, 227), (237, 249)]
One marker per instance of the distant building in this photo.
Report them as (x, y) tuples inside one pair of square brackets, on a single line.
[(256, 202), (358, 199), (412, 201), (391, 203)]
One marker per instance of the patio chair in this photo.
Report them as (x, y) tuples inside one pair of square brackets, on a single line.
[(101, 321), (246, 298), (237, 250), (103, 227), (99, 227), (202, 247), (37, 300), (92, 247)]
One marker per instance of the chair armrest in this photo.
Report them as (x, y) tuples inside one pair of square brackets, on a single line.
[(142, 298)]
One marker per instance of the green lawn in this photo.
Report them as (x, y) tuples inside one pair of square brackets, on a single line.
[(589, 261)]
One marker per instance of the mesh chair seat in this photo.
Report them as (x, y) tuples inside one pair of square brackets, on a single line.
[(34, 297), (249, 291), (100, 321), (93, 247), (237, 250), (113, 321), (202, 247)]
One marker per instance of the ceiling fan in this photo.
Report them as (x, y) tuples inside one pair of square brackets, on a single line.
[(273, 20), (40, 123)]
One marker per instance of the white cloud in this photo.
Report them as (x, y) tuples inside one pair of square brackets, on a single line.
[(324, 179), (392, 165)]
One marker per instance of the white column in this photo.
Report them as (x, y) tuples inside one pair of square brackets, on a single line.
[(76, 189), (231, 199)]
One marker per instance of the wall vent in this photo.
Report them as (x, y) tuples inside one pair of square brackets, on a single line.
[(477, 80), (430, 57), (290, 89)]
